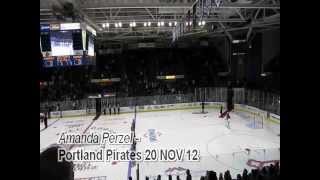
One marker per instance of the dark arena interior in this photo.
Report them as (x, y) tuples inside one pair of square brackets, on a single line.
[(160, 89)]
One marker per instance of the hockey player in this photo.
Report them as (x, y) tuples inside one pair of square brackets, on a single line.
[(45, 120), (114, 109), (228, 120), (202, 106), (118, 106), (59, 109), (221, 108), (109, 107), (104, 111), (41, 117)]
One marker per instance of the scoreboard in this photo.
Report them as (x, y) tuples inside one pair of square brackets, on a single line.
[(67, 44), (62, 61)]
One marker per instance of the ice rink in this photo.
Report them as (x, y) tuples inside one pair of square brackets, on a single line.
[(241, 146)]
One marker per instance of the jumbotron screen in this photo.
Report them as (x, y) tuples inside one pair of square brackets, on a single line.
[(61, 43)]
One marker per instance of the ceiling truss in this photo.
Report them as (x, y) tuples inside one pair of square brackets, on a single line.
[(224, 19)]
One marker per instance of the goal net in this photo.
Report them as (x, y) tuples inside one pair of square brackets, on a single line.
[(254, 119)]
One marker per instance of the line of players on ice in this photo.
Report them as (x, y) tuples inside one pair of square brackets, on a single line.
[(115, 107), (46, 115)]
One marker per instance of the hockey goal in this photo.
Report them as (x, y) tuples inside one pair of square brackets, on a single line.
[(254, 119)]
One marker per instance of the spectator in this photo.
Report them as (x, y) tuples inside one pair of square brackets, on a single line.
[(239, 177), (189, 177), (220, 176), (227, 175), (272, 172), (254, 174), (211, 175), (51, 169), (264, 171), (245, 175)]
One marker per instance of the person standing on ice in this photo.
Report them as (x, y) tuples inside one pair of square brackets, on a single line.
[(202, 106), (118, 106), (114, 108), (228, 121), (109, 107), (59, 109), (45, 120)]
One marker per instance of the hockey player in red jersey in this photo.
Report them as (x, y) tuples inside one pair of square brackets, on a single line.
[(229, 102)]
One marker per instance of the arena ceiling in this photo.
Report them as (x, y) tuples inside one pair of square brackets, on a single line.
[(221, 17)]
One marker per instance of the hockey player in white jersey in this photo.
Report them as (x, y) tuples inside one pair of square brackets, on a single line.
[(228, 120)]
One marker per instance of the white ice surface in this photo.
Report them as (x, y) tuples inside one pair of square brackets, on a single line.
[(220, 148), (56, 127), (112, 170)]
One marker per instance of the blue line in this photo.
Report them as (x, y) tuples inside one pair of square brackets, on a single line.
[(129, 169)]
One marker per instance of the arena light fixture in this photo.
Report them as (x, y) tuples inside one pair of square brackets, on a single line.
[(145, 24), (162, 23), (264, 74), (69, 26), (187, 23), (170, 77), (190, 23), (120, 24), (158, 23), (149, 24), (236, 41), (175, 23), (116, 25), (104, 25), (201, 23), (170, 24), (134, 24), (107, 25)]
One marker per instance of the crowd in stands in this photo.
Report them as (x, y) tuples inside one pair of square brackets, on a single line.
[(69, 83), (138, 71), (271, 172)]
